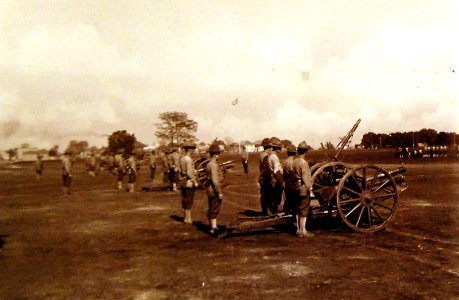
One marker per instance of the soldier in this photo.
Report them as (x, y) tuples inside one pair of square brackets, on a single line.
[(304, 187), (277, 181), (66, 172), (245, 161), (289, 181), (214, 190), (131, 171), (188, 182), (174, 162), (265, 176), (39, 166), (152, 164), (120, 168), (91, 164)]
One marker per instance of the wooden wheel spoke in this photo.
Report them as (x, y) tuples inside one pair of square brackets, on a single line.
[(350, 190), (356, 182), (360, 216), (349, 200), (383, 205), (385, 196), (374, 180), (382, 185), (376, 212), (354, 209), (369, 216)]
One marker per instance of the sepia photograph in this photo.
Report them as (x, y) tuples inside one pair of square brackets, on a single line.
[(229, 149)]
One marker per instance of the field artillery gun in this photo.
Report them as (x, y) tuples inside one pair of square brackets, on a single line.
[(365, 197), (200, 166)]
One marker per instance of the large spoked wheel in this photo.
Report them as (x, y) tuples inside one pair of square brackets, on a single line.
[(367, 198), (325, 178), (200, 166)]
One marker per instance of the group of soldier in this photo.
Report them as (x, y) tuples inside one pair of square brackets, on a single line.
[(291, 180)]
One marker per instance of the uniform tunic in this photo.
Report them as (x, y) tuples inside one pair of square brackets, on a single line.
[(214, 190), (66, 171), (290, 189), (188, 171), (120, 166), (304, 182)]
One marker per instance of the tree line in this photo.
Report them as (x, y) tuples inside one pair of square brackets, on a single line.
[(429, 137)]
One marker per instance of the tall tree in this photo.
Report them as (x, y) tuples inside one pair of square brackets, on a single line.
[(121, 140), (176, 127), (77, 147)]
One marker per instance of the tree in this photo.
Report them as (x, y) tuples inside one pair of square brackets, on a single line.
[(12, 153), (77, 147), (329, 146), (121, 140), (176, 127)]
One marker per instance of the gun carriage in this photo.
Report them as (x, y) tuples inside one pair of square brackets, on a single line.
[(200, 166), (365, 197)]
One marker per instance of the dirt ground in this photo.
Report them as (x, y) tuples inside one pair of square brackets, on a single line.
[(99, 243)]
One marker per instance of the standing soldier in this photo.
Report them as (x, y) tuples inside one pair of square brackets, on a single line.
[(174, 162), (152, 163), (289, 180), (120, 168), (39, 166), (265, 176), (189, 182), (165, 161), (66, 172), (91, 164), (304, 187), (277, 180), (245, 161), (214, 190), (131, 170)]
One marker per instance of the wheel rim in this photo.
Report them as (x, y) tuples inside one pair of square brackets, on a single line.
[(367, 198), (326, 177), (201, 175)]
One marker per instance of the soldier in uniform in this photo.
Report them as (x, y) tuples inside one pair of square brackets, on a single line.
[(91, 162), (304, 187), (131, 171), (120, 168), (152, 163), (245, 161), (174, 162), (188, 181), (214, 190), (66, 172), (289, 181), (265, 176), (39, 166), (277, 180)]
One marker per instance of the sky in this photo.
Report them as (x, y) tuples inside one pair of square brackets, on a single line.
[(301, 70)]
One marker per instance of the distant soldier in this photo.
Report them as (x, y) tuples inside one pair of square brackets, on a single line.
[(91, 164), (189, 181), (66, 172), (245, 161), (120, 168), (131, 171), (165, 161), (289, 181), (304, 187), (39, 166), (264, 178), (277, 180), (214, 190), (174, 162), (152, 163)]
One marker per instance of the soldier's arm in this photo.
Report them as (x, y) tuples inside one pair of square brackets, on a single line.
[(306, 175), (215, 179)]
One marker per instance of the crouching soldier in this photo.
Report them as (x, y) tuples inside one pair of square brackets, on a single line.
[(214, 190), (304, 187), (188, 181)]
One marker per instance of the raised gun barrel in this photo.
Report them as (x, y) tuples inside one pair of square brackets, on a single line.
[(345, 140)]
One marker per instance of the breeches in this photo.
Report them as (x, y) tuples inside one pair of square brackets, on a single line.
[(173, 176), (132, 178), (67, 180), (303, 203), (187, 198), (120, 176), (214, 207), (152, 173), (289, 204)]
